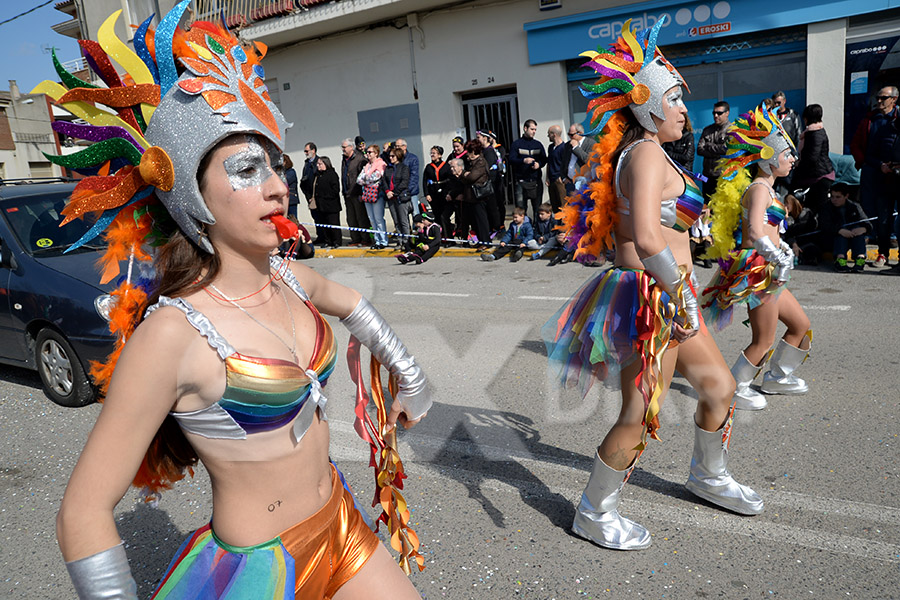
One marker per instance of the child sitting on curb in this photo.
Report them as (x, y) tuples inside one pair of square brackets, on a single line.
[(556, 242), (427, 241), (515, 240), (543, 227), (844, 223)]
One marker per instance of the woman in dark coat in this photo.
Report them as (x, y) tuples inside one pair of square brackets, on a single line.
[(814, 171), (435, 185), (682, 151), (474, 209), (396, 189), (327, 196)]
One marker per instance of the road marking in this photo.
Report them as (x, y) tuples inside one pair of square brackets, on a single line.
[(556, 298), (432, 294), (699, 515), (839, 307)]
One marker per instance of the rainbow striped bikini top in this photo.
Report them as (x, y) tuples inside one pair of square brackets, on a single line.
[(261, 394), (676, 213), (775, 214)]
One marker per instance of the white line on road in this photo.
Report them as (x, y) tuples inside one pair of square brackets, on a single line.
[(839, 307), (556, 298), (432, 294)]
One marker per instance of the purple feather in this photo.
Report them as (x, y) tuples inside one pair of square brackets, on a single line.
[(94, 133)]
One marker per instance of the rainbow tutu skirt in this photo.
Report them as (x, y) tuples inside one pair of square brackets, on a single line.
[(743, 278), (599, 331), (205, 568)]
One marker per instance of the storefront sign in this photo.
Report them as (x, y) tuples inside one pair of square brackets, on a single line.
[(564, 38)]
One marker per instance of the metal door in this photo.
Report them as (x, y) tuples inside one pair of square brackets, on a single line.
[(500, 114)]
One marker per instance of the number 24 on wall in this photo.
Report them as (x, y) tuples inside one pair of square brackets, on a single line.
[(489, 80)]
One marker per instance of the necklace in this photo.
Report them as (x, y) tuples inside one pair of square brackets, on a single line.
[(233, 301), (277, 276)]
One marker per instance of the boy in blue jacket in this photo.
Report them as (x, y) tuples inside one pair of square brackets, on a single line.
[(515, 240)]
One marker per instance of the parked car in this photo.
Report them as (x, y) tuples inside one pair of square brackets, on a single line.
[(53, 311)]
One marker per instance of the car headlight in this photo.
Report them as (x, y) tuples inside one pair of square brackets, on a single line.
[(103, 304)]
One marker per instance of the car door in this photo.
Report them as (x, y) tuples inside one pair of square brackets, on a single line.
[(12, 339)]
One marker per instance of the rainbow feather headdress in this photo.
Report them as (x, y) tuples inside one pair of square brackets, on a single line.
[(634, 73), (755, 137), (152, 127)]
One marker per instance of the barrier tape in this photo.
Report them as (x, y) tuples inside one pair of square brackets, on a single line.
[(399, 235)]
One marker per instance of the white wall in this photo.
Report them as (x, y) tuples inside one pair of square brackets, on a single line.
[(825, 53)]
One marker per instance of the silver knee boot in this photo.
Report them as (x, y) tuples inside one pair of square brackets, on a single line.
[(710, 478), (596, 518), (745, 397), (780, 378)]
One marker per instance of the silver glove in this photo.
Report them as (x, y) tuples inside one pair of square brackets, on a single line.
[(370, 328), (665, 271), (104, 575), (777, 256)]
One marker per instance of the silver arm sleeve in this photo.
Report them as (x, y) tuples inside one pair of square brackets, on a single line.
[(104, 575), (783, 261), (665, 271), (370, 328)]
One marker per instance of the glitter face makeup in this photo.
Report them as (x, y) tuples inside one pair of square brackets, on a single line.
[(249, 168), (675, 98)]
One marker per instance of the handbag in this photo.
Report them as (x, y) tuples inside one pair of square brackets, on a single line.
[(482, 190)]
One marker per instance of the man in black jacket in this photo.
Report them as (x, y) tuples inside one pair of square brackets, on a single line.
[(712, 145), (527, 158), (351, 164)]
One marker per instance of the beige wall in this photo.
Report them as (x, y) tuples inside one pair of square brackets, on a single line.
[(825, 53)]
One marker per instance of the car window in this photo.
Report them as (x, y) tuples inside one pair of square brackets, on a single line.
[(35, 221)]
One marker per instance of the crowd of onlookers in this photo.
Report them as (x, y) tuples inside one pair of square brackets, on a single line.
[(835, 203)]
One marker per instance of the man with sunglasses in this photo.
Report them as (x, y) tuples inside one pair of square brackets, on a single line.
[(871, 149), (789, 119), (712, 145)]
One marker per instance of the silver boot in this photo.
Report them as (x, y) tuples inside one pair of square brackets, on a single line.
[(597, 519), (780, 378), (710, 478), (745, 397)]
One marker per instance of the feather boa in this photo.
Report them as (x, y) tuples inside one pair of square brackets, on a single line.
[(725, 205)]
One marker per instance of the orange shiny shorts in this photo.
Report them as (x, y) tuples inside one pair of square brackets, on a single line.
[(330, 546)]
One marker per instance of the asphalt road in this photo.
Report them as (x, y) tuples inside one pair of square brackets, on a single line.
[(496, 468)]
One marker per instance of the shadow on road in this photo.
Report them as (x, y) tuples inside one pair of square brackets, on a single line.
[(20, 376), (153, 544)]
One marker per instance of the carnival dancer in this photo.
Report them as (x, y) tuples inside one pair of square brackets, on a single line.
[(755, 273), (639, 321), (227, 352)]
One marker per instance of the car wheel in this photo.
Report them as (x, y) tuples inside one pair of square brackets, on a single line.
[(64, 379)]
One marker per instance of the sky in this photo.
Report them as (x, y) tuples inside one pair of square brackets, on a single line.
[(22, 44)]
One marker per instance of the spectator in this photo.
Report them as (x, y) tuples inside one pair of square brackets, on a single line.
[(515, 240), (427, 241), (360, 144), (492, 161), (352, 163), (459, 151), (326, 193), (455, 192), (527, 158), (888, 199), (497, 171), (372, 194), (814, 170), (411, 161), (802, 231), (290, 175), (701, 238), (844, 224), (543, 227), (475, 192), (682, 151), (712, 145), (310, 167), (435, 186), (789, 119), (575, 155), (869, 149), (556, 242), (396, 189), (555, 186)]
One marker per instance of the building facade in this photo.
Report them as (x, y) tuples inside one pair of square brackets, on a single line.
[(428, 70), (25, 134)]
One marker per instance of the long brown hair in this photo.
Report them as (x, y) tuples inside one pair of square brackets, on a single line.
[(633, 132)]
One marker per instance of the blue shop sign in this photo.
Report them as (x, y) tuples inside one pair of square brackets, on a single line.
[(560, 39)]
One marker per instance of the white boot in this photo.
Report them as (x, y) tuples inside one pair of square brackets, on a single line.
[(597, 519), (745, 397), (780, 379), (710, 478)]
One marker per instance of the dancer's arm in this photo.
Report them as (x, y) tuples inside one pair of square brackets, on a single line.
[(782, 257), (143, 389)]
